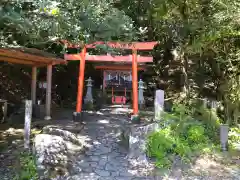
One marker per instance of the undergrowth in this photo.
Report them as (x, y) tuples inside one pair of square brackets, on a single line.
[(183, 134), (234, 137), (27, 167)]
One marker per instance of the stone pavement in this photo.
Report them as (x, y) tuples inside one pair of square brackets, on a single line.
[(106, 159)]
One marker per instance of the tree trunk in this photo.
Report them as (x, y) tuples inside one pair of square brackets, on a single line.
[(184, 79)]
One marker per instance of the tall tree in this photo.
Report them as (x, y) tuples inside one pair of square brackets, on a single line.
[(27, 23), (191, 26)]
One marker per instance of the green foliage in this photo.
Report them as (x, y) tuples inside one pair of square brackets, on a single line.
[(28, 170), (160, 149), (34, 23), (181, 113), (234, 137), (89, 106), (196, 134), (210, 121), (180, 135)]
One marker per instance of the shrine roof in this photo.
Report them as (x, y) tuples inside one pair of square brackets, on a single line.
[(29, 56)]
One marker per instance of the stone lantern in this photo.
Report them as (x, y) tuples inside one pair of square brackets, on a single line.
[(89, 98), (141, 88)]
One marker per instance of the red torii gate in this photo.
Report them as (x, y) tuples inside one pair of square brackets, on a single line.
[(83, 56)]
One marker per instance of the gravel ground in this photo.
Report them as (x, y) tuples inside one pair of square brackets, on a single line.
[(7, 163)]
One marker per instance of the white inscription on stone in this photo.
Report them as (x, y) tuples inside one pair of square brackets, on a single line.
[(159, 104)]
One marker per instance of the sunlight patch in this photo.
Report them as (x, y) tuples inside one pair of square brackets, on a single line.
[(103, 121)]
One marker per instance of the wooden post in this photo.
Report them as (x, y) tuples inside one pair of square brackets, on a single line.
[(5, 111), (104, 82), (27, 124), (135, 82), (34, 84), (81, 81), (49, 92), (3, 108)]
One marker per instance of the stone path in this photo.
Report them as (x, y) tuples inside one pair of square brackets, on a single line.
[(106, 159), (6, 164)]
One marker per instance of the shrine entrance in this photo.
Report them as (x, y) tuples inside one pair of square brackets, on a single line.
[(117, 82), (120, 73)]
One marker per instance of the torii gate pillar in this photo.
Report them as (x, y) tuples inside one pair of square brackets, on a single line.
[(135, 82), (77, 115)]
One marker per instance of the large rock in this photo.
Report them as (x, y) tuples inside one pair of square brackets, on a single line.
[(135, 137), (55, 150)]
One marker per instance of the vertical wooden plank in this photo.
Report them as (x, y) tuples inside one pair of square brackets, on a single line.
[(27, 124), (104, 82), (34, 84), (49, 92), (5, 111), (3, 108)]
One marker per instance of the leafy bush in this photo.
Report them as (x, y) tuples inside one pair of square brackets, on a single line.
[(196, 134), (89, 106), (28, 170), (210, 121), (234, 137), (181, 135), (161, 149)]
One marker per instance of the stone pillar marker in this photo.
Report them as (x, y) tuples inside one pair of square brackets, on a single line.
[(141, 100), (159, 104), (89, 98), (27, 123), (224, 128)]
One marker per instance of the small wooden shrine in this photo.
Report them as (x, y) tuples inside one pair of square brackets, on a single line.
[(117, 81)]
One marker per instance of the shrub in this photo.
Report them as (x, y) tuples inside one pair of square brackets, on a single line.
[(163, 145), (89, 106), (234, 137), (28, 170), (210, 120), (159, 145), (196, 134), (181, 135)]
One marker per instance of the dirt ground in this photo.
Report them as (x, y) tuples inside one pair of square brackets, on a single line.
[(218, 166)]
